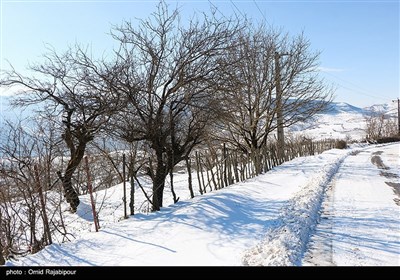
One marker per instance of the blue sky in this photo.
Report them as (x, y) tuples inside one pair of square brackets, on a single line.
[(359, 40)]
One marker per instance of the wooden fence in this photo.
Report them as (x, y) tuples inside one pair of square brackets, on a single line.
[(218, 168)]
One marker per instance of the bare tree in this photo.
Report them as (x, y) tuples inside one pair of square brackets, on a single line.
[(379, 124), (75, 87), (252, 104), (304, 92), (24, 222), (171, 84)]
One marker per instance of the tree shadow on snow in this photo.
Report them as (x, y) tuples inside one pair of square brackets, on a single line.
[(84, 211), (379, 233), (225, 214)]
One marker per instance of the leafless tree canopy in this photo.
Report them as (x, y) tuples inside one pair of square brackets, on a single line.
[(252, 103), (304, 92), (74, 91), (27, 157), (171, 84), (380, 125)]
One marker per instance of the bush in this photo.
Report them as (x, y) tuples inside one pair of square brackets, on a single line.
[(341, 144), (388, 139)]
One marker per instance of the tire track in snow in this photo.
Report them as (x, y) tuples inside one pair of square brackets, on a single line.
[(319, 249), (285, 244), (377, 161)]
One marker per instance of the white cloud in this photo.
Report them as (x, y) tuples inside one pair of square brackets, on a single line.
[(9, 91), (329, 69)]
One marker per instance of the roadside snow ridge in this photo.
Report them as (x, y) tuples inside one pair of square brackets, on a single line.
[(284, 244)]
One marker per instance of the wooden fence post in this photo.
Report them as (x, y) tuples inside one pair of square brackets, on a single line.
[(198, 169), (43, 205), (225, 166), (132, 192), (89, 180), (124, 184), (189, 170)]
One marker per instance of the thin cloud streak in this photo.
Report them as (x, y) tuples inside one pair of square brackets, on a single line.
[(329, 69)]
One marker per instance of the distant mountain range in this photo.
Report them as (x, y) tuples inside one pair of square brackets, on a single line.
[(340, 107)]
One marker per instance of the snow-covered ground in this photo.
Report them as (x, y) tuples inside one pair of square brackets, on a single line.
[(340, 122), (266, 220), (360, 222)]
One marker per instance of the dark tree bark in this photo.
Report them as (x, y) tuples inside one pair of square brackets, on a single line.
[(77, 151), (189, 170), (2, 260)]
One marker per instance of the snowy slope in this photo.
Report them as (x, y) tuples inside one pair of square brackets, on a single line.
[(340, 121), (360, 222), (213, 229)]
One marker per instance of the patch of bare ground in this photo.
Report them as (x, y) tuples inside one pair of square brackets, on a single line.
[(356, 152), (377, 160), (396, 190)]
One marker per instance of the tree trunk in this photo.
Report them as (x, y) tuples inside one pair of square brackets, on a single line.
[(189, 169), (2, 260), (159, 183), (158, 191), (171, 176), (69, 192)]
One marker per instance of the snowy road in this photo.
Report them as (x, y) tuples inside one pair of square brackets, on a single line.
[(360, 223)]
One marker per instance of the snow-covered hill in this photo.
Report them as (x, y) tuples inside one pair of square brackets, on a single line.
[(340, 121)]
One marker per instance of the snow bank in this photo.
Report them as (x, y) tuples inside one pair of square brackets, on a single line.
[(284, 244)]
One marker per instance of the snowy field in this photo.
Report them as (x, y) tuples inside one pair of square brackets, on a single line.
[(267, 220)]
